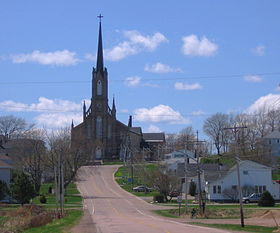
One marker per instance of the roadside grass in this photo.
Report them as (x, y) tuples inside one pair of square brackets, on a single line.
[(113, 163), (72, 196), (166, 213), (122, 176), (59, 225), (220, 206), (234, 227)]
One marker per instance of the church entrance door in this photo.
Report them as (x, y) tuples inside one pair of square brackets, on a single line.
[(98, 153)]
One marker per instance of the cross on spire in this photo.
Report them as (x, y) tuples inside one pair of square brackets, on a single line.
[(100, 17)]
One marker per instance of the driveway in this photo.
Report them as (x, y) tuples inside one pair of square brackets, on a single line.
[(110, 209)]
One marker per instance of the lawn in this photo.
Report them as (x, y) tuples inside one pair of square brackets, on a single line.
[(72, 196), (233, 227), (122, 177)]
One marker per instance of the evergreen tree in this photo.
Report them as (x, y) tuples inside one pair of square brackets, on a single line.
[(192, 189), (4, 189), (22, 189), (266, 199)]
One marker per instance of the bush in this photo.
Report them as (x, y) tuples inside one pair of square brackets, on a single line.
[(43, 199), (192, 189), (266, 199), (159, 198), (4, 189)]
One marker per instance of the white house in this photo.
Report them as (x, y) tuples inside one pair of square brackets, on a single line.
[(176, 157), (255, 176), (272, 143)]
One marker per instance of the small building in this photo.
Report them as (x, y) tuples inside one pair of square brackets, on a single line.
[(272, 143)]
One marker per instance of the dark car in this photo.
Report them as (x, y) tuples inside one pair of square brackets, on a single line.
[(254, 197), (174, 194), (142, 188)]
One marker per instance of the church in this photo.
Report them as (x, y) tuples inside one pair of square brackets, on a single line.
[(100, 134)]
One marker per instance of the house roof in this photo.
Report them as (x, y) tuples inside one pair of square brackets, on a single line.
[(154, 137), (4, 165), (272, 135), (4, 157)]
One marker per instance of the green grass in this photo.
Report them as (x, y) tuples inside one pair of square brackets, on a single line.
[(166, 213), (72, 197), (59, 225), (234, 227), (276, 176)]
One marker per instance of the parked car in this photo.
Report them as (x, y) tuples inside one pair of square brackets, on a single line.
[(174, 194), (254, 197), (142, 188)]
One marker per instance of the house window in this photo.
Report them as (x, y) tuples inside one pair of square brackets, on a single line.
[(245, 172), (219, 188), (264, 188), (214, 189), (278, 141), (234, 187), (269, 142)]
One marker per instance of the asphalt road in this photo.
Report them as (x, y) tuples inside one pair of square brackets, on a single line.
[(113, 210)]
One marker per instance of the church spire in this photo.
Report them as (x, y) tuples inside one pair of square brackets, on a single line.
[(114, 108), (99, 62)]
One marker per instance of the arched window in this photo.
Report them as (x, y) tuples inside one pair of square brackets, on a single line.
[(109, 131), (99, 87), (99, 126)]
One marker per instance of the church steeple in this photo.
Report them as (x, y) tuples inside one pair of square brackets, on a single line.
[(99, 62)]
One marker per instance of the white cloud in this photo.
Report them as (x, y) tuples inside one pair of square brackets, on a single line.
[(90, 56), (193, 46), (58, 58), (259, 50), (58, 120), (267, 102), (53, 113), (160, 113), (161, 68), (136, 43), (148, 42), (132, 81), (253, 78), (198, 113), (187, 87), (153, 129), (278, 88)]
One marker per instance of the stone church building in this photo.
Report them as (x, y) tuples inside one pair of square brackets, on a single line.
[(100, 134)]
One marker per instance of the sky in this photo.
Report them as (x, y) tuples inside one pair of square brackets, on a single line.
[(171, 64)]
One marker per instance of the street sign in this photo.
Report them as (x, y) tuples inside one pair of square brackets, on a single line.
[(179, 199)]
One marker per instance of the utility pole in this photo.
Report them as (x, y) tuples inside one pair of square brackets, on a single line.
[(196, 142), (235, 130)]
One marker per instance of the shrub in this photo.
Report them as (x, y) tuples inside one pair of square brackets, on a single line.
[(4, 189), (158, 198), (266, 199), (192, 189), (43, 199)]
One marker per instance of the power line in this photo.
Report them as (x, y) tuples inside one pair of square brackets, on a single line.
[(148, 79)]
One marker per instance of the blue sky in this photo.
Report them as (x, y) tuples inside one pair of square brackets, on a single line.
[(171, 64)]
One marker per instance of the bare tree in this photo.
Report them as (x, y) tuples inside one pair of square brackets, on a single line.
[(11, 126), (30, 157), (186, 138), (213, 127), (72, 157)]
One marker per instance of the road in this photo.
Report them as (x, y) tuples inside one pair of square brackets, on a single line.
[(113, 210)]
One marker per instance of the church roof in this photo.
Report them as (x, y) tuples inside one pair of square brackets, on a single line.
[(136, 130), (154, 137)]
